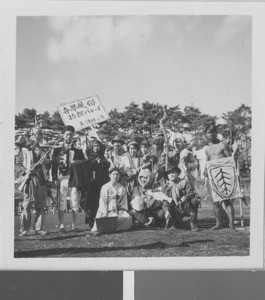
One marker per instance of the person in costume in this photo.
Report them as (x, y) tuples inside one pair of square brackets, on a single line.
[(147, 158), (184, 199), (150, 206), (100, 167), (113, 202), (118, 150), (90, 154), (130, 165), (35, 189), (185, 158), (216, 150), (110, 156), (63, 158)]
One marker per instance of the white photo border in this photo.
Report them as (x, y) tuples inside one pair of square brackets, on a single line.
[(10, 11)]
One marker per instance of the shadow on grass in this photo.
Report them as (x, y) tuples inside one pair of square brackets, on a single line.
[(203, 224), (207, 223), (74, 250), (56, 236), (49, 236)]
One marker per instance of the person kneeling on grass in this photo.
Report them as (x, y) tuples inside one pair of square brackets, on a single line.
[(185, 201), (150, 207), (113, 202)]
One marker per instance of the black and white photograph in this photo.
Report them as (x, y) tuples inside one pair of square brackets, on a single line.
[(133, 138)]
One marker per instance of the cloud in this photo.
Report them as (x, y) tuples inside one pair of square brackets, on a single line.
[(132, 32), (80, 38), (233, 27), (60, 24), (179, 28)]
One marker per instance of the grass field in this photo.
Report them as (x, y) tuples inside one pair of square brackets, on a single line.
[(155, 242)]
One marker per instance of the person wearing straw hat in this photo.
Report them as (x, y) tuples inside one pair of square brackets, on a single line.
[(62, 158), (113, 202), (35, 190)]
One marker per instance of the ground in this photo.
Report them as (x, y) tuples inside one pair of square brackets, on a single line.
[(155, 242)]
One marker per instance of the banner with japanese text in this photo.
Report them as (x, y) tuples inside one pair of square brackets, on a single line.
[(83, 113)]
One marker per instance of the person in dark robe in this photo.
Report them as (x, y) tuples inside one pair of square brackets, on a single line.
[(100, 168)]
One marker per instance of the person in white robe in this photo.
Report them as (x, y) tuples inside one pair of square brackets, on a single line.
[(113, 202)]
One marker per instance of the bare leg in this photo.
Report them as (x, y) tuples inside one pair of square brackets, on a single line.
[(231, 214), (216, 209), (218, 217)]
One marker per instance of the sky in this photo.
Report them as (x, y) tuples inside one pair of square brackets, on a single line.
[(203, 61)]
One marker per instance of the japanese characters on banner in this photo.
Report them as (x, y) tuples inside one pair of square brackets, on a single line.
[(223, 179), (83, 113)]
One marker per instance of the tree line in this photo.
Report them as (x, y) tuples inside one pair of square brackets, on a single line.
[(140, 121)]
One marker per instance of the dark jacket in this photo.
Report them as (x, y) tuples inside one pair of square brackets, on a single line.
[(101, 169), (58, 165), (152, 159), (80, 174)]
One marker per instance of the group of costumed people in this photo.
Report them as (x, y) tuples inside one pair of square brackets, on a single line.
[(130, 182)]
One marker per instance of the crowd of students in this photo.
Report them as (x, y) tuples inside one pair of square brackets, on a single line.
[(142, 184)]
